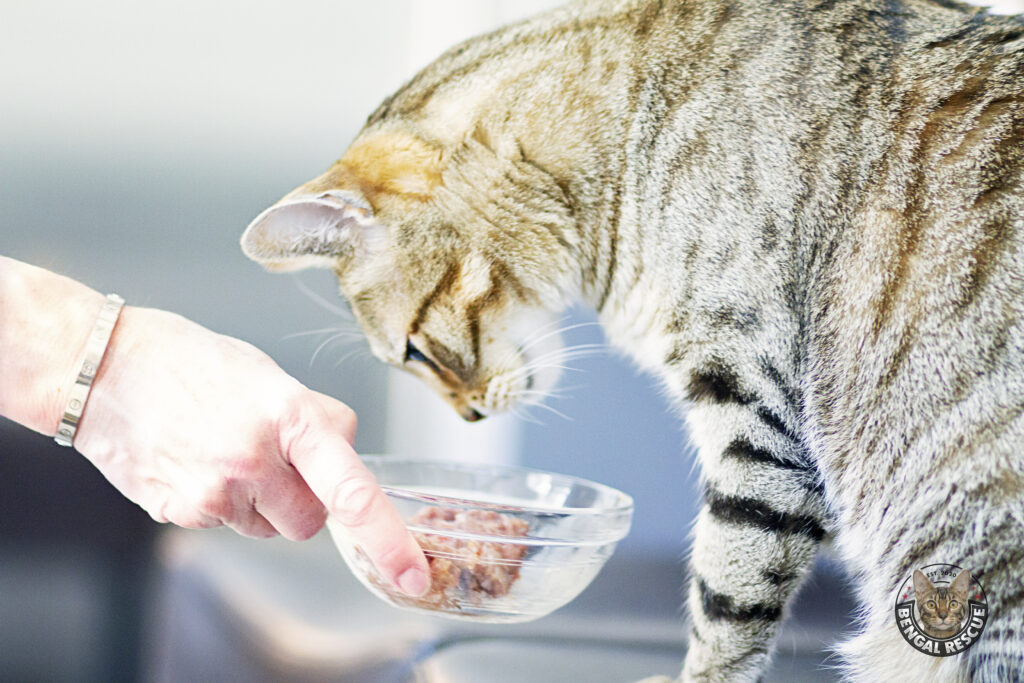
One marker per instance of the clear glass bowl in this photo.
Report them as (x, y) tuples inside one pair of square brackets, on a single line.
[(505, 544)]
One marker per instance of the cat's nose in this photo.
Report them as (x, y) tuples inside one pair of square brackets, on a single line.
[(472, 414)]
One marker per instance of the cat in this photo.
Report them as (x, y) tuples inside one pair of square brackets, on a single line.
[(806, 217), (942, 609)]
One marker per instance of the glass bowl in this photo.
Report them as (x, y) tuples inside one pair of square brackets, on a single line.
[(504, 544)]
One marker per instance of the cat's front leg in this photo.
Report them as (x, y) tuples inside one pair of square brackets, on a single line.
[(754, 541)]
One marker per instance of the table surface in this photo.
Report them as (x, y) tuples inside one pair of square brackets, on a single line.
[(293, 611)]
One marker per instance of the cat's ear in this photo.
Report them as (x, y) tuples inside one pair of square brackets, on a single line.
[(962, 583), (921, 583), (311, 230)]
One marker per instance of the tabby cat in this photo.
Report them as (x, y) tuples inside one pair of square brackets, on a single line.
[(805, 216), (942, 609)]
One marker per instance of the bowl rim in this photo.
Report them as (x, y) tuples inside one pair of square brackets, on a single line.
[(624, 502)]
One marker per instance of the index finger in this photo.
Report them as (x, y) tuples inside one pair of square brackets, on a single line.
[(336, 475)]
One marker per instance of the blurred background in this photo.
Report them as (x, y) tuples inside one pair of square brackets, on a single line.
[(137, 140)]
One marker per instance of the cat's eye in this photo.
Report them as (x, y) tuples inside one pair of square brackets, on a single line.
[(415, 355), (954, 603), (931, 604)]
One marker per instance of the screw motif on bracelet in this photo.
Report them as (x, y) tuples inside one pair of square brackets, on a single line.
[(95, 347)]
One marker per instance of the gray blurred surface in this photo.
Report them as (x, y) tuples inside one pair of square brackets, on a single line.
[(273, 611), (63, 596)]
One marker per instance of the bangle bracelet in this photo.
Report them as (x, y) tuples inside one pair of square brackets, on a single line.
[(95, 347)]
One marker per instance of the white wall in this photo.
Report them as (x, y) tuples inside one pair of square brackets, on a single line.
[(217, 74), (1003, 6)]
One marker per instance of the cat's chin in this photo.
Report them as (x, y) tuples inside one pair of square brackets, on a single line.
[(942, 630)]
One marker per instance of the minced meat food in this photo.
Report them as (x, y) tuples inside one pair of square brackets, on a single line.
[(468, 571)]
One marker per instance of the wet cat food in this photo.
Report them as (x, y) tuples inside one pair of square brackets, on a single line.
[(468, 570)]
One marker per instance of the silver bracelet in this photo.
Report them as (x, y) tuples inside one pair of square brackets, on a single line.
[(95, 347)]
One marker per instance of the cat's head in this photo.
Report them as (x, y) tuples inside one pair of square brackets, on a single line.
[(942, 608), (452, 257)]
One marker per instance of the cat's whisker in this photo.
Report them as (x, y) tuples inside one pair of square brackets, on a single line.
[(557, 360), (533, 396), (523, 347), (567, 390), (530, 396), (331, 339), (517, 352), (359, 352), (568, 358), (322, 302), (524, 415), (552, 410), (542, 330), (310, 333), (539, 335), (546, 366), (589, 348), (559, 394), (321, 347), (566, 353)]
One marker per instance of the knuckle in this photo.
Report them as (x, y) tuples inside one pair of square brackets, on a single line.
[(214, 502), (348, 425), (193, 520), (248, 468), (255, 527), (314, 522), (353, 501), (308, 526), (304, 513), (294, 431), (159, 514), (178, 510), (347, 417)]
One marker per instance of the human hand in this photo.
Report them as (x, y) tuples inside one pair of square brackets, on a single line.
[(203, 430)]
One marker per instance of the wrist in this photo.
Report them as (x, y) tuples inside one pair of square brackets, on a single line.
[(47, 319)]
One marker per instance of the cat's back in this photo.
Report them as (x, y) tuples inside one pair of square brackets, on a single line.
[(953, 174), (926, 298), (939, 231), (956, 107)]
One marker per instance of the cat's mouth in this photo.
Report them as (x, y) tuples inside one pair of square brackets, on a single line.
[(462, 405), (946, 625), (471, 414)]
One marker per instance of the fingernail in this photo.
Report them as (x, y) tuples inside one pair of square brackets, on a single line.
[(413, 582)]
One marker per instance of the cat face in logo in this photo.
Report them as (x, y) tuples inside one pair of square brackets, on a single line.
[(447, 281), (942, 608)]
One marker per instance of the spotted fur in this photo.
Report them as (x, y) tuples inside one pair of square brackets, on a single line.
[(806, 217)]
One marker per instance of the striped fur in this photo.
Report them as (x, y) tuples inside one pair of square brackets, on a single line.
[(807, 217)]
